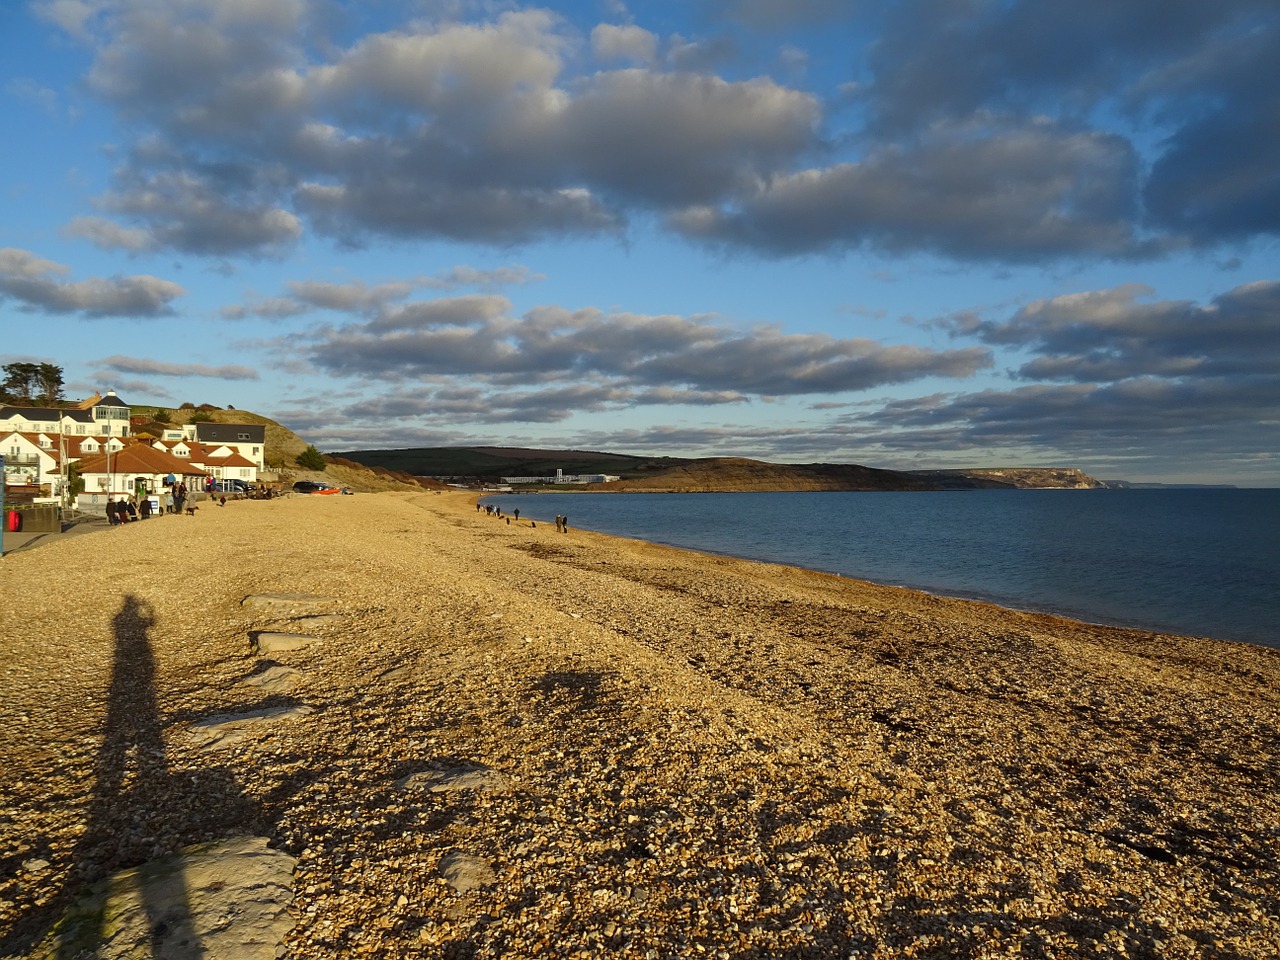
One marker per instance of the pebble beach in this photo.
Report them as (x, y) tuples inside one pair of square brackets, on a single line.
[(473, 738)]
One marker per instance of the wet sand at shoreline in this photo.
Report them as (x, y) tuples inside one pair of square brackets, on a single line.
[(687, 755)]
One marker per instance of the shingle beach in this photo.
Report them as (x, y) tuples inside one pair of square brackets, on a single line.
[(485, 739)]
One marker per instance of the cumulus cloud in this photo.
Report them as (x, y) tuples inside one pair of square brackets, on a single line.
[(999, 131), (39, 284), (630, 43)]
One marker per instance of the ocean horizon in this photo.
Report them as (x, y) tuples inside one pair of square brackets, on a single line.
[(1193, 561)]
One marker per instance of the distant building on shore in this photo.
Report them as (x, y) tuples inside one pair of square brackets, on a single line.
[(562, 477)]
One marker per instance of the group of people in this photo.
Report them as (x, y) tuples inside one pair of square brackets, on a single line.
[(125, 510), (562, 521)]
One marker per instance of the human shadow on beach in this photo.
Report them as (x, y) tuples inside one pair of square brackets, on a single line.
[(141, 810)]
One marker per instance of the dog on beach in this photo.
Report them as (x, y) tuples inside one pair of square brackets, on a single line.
[(191, 511)]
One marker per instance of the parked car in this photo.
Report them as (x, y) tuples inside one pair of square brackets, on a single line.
[(231, 486), (314, 486)]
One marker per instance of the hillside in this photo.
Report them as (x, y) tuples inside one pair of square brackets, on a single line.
[(738, 474)]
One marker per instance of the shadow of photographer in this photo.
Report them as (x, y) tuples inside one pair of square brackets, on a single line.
[(141, 810)]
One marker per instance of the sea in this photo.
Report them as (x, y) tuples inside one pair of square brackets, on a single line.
[(1198, 562)]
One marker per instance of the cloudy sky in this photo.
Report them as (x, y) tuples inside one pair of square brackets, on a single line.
[(905, 234)]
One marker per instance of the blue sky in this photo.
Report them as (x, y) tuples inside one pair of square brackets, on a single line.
[(923, 233)]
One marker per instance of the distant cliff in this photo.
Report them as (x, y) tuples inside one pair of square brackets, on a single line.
[(1021, 478)]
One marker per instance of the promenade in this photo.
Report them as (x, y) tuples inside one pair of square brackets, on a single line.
[(473, 738)]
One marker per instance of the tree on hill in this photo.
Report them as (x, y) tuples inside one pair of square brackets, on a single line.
[(32, 383), (311, 459)]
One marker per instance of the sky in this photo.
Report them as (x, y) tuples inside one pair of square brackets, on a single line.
[(909, 234)]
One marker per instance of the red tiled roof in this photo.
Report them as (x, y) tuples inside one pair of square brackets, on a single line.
[(139, 458)]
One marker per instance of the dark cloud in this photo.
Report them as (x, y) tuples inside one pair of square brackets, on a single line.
[(1111, 335), (1198, 77), (936, 60), (39, 284), (1026, 193)]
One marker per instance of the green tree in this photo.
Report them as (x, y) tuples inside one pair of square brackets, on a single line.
[(311, 459), (21, 380), (49, 381), (75, 482), (160, 416), (200, 416)]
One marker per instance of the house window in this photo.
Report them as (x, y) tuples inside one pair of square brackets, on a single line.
[(242, 436)]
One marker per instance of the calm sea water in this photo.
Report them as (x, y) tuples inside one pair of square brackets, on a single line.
[(1198, 562)]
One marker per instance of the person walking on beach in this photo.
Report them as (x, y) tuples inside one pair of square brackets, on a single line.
[(564, 524), (516, 511), (179, 498)]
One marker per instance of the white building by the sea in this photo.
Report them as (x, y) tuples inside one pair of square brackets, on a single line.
[(562, 477)]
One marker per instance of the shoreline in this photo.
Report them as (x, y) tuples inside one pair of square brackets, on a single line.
[(1256, 630), (699, 751)]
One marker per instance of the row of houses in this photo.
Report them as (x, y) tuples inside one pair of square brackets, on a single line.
[(38, 443)]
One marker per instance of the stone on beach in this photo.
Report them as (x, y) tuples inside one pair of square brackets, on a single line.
[(227, 730), (466, 873), (479, 778), (226, 900), (269, 641), (275, 677)]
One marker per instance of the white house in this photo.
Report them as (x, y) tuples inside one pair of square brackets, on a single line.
[(247, 439), (103, 416), (220, 461)]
